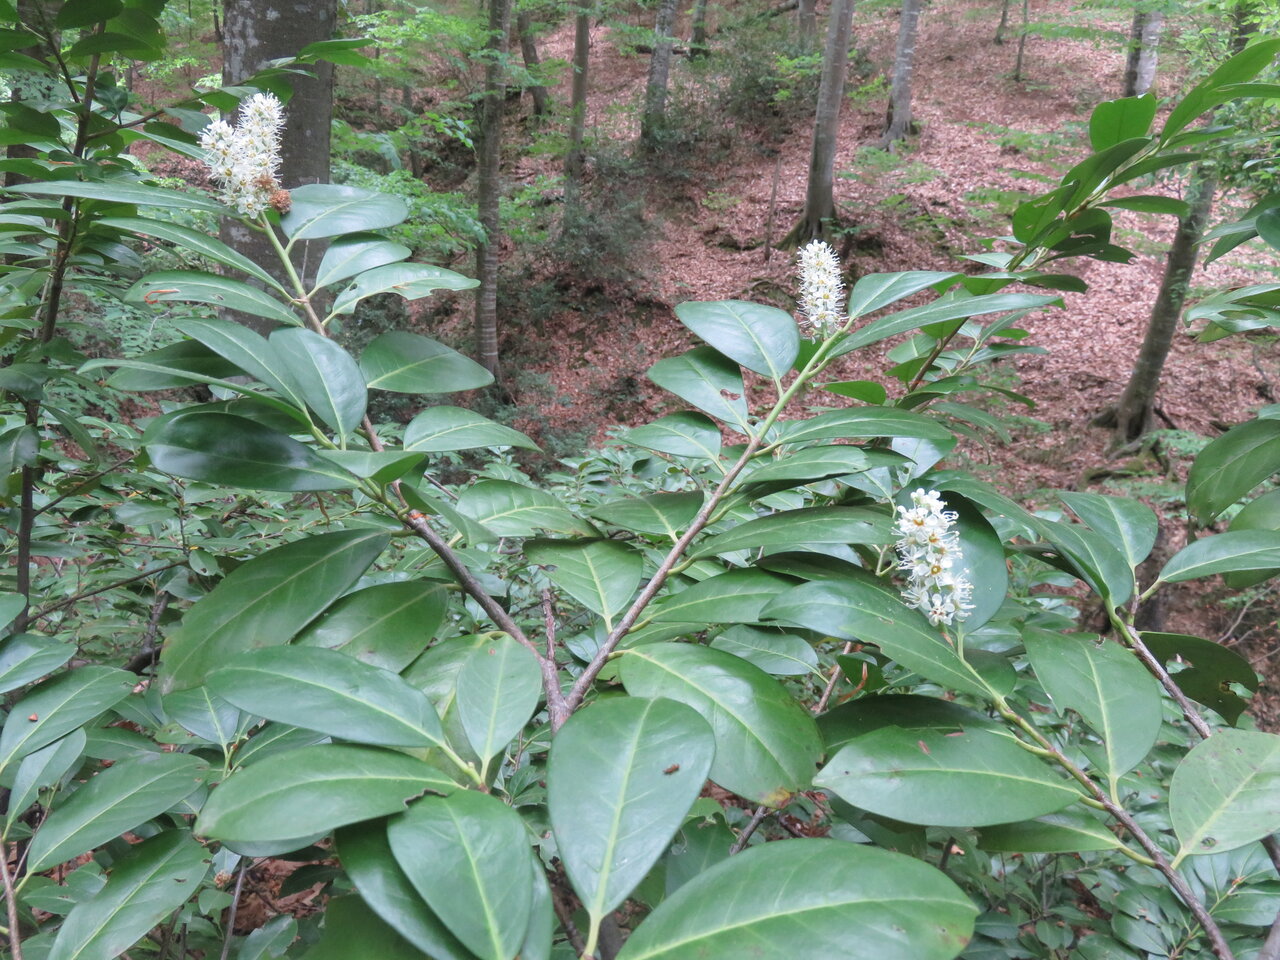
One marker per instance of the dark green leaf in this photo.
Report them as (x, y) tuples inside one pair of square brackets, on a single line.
[(811, 464), (1240, 550), (909, 711), (877, 290), (1068, 831), (827, 525), (311, 790), (440, 429), (26, 657), (325, 376), (468, 856), (513, 510), (188, 286), (409, 280), (864, 422), (734, 597), (1128, 524), (1114, 121), (1231, 466), (386, 625), (776, 653), (54, 708), (708, 380), (1092, 557), (328, 210), (621, 777), (657, 514), (766, 743), (811, 899), (686, 434), (125, 192), (194, 241), (404, 362), (249, 351), (1207, 670), (115, 801), (1226, 792), (351, 255), (352, 931), (968, 779), (602, 575), (760, 338), (498, 689), (1166, 205), (265, 602), (948, 308)]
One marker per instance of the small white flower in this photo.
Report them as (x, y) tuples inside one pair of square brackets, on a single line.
[(244, 160), (821, 289), (927, 550)]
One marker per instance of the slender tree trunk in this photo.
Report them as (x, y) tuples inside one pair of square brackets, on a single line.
[(898, 125), (698, 41), (1022, 40), (655, 92), (807, 14), (529, 53), (1003, 24), (573, 159), (1134, 413), (251, 37), (489, 153), (819, 203), (1144, 40)]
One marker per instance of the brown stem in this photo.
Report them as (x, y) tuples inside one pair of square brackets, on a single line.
[(756, 819), (231, 912), (831, 684)]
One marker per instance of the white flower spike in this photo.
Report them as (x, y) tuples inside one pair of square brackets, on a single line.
[(927, 551), (821, 289), (244, 160)]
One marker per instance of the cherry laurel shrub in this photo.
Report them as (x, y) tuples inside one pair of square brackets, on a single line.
[(488, 716)]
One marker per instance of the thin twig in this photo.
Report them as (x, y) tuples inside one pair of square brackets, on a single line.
[(146, 655), (231, 911), (566, 921), (831, 684), (756, 819), (11, 902)]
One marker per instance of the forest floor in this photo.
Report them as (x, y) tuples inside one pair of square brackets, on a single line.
[(984, 138)]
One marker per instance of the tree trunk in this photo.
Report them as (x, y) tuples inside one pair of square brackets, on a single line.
[(529, 53), (1144, 40), (573, 159), (254, 33), (1003, 24), (819, 202), (698, 41), (808, 21), (1134, 413), (655, 92), (488, 168), (1022, 40), (898, 125)]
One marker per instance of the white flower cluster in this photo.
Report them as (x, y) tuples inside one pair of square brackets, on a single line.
[(244, 160), (927, 551), (821, 289)]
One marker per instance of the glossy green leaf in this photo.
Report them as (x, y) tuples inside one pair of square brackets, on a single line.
[(382, 466), (1128, 524), (164, 369), (811, 464), (57, 706), (404, 362), (247, 350), (621, 777), (760, 338), (831, 525), (366, 856), (353, 931), (440, 429), (968, 779), (602, 575), (766, 743), (657, 514), (387, 625), (328, 691), (26, 657), (325, 376), (412, 281), (125, 192), (467, 855), (148, 883), (1108, 686), (188, 286), (113, 802), (868, 614), (981, 562), (513, 510), (1206, 671), (856, 423), (1244, 65), (1231, 466), (265, 602), (1114, 121), (1092, 557), (877, 290), (708, 380), (776, 653), (329, 210), (194, 241), (205, 715), (1067, 831), (351, 255), (909, 711), (734, 597), (499, 685), (311, 790), (948, 308), (1226, 792), (1234, 551), (811, 899), (1262, 513), (224, 449), (42, 769), (685, 434)]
